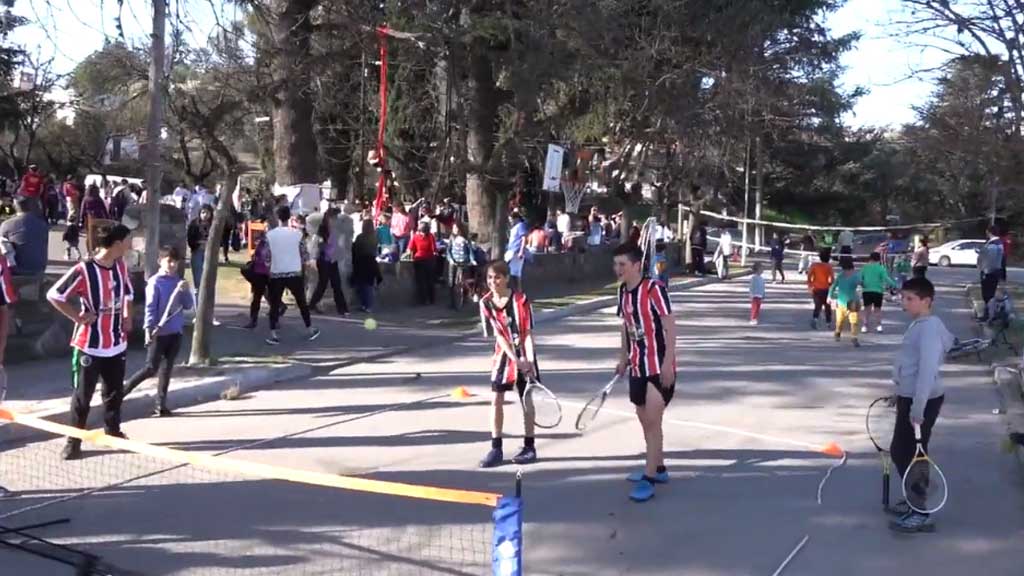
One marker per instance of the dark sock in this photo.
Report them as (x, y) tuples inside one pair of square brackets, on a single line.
[(662, 469), (649, 479), (528, 441), (496, 443)]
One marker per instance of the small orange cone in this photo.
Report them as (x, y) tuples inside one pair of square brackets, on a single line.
[(461, 393), (833, 449), (6, 415)]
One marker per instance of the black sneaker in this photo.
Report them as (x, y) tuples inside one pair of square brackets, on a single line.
[(526, 455), (250, 326), (162, 412), (117, 434), (72, 450), (493, 458), (314, 334)]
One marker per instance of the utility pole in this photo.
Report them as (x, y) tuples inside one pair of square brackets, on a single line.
[(759, 228), (746, 204), (154, 127)]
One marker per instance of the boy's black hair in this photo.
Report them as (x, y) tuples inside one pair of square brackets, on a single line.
[(920, 287), (113, 235), (631, 251), (875, 257), (284, 214), (170, 252), (825, 254), (500, 267), (846, 263)]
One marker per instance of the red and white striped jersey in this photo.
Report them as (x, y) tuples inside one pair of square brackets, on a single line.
[(513, 321), (641, 310), (105, 292), (8, 295)]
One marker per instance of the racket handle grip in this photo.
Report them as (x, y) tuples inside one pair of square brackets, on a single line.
[(885, 491), (917, 431)]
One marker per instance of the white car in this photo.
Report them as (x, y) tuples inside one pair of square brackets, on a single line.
[(956, 253)]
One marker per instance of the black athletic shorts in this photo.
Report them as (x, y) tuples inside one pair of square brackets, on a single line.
[(520, 385), (873, 299), (638, 389)]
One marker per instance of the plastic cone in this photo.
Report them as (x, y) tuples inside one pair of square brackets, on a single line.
[(461, 393), (6, 415), (833, 449)]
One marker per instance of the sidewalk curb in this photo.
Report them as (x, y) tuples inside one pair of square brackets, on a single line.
[(140, 404)]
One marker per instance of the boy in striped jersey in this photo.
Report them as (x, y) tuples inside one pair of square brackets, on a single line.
[(649, 354), (7, 297), (103, 320), (506, 314)]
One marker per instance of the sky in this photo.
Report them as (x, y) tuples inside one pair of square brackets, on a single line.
[(880, 62)]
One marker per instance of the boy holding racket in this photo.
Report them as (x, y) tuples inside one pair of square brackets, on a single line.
[(167, 295), (507, 314), (649, 354), (919, 390)]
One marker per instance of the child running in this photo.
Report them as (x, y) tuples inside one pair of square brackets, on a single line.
[(875, 279), (919, 390), (649, 353), (757, 293), (507, 314), (163, 342), (844, 292), (819, 281)]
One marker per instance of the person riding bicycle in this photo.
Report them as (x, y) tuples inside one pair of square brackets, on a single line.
[(461, 254)]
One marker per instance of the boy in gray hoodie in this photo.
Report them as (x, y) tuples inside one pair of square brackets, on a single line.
[(919, 391)]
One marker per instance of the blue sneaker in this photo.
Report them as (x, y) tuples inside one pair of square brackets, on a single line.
[(494, 458), (642, 491), (659, 478), (912, 523)]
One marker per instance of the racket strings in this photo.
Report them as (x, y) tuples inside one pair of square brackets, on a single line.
[(924, 486), (547, 412)]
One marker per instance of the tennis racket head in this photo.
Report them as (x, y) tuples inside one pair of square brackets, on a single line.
[(880, 421), (593, 406), (924, 485), (547, 411)]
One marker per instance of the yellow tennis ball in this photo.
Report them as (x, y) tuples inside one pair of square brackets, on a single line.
[(370, 324)]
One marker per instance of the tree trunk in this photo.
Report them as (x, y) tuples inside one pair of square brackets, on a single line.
[(203, 333), (295, 146), (154, 124), (481, 106)]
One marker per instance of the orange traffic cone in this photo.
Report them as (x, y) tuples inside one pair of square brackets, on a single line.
[(833, 449), (461, 393)]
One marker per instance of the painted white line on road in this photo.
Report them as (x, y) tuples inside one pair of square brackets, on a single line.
[(791, 555)]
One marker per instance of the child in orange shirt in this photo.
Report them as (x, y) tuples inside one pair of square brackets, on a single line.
[(819, 281)]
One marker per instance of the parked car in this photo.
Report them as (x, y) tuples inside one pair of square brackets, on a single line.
[(865, 244), (956, 253)]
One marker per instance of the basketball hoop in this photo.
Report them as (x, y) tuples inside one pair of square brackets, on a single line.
[(573, 192)]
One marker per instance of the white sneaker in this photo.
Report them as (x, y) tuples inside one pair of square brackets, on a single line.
[(753, 322), (863, 329), (879, 329)]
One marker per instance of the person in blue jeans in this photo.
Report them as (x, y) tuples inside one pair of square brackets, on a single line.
[(197, 236)]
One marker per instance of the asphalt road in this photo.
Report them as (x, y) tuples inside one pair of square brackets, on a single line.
[(737, 504)]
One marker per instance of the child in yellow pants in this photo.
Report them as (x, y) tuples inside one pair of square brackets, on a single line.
[(844, 292)]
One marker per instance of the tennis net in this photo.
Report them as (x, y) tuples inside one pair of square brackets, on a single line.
[(128, 507)]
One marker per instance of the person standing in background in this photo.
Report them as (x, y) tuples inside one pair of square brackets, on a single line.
[(845, 242), (990, 266), (72, 198), (32, 184), (366, 274), (919, 262), (327, 264), (515, 254), (401, 226), (423, 249), (698, 246)]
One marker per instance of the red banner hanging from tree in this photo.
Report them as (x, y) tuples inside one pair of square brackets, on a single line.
[(381, 200)]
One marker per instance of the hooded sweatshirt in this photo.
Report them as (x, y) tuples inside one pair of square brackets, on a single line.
[(159, 289), (916, 368)]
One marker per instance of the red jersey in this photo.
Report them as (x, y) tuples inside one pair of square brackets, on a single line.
[(641, 310), (31, 184), (423, 246), (104, 292), (514, 322), (70, 191), (7, 294)]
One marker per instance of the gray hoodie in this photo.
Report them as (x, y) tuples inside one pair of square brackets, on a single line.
[(915, 370)]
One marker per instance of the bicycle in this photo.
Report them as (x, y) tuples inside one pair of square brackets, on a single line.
[(463, 285)]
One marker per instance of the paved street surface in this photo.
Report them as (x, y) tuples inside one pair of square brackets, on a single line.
[(736, 505)]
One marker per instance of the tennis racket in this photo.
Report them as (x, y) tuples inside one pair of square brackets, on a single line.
[(924, 484), (593, 406), (880, 421), (542, 403)]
